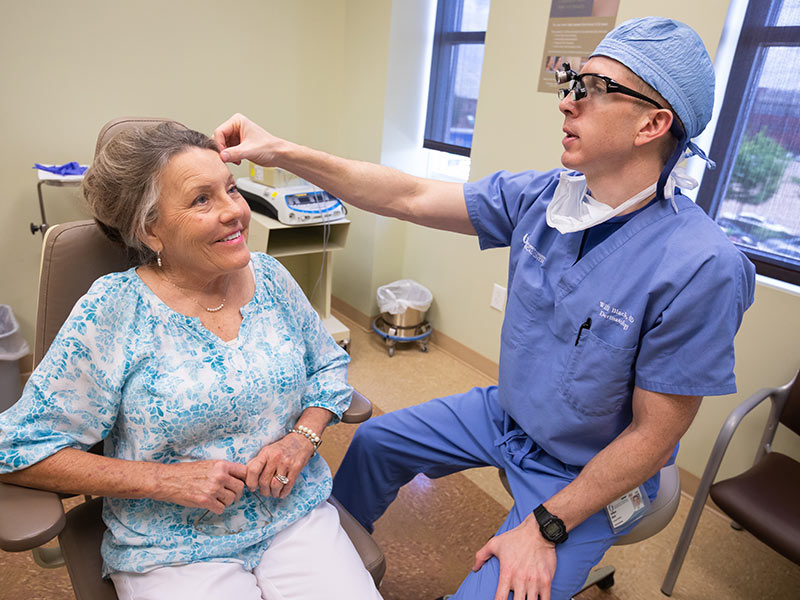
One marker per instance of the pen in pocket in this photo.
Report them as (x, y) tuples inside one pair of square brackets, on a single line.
[(586, 325)]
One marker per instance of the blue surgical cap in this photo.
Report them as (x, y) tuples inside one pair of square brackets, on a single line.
[(672, 59)]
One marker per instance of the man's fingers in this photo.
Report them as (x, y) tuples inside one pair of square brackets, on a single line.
[(504, 589), (232, 154), (482, 555), (544, 593), (228, 134)]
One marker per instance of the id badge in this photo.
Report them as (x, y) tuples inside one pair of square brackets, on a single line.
[(627, 509)]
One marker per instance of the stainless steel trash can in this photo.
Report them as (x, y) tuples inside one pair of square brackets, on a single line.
[(403, 305)]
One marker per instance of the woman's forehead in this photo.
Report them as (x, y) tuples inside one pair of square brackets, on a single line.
[(194, 167)]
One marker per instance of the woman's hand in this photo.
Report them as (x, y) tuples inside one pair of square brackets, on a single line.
[(286, 458), (239, 138), (209, 484)]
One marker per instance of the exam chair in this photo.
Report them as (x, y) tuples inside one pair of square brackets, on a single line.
[(658, 516), (73, 256), (765, 499)]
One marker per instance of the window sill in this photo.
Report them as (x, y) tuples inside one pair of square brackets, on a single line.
[(776, 284)]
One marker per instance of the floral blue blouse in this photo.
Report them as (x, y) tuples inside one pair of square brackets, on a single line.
[(158, 386)]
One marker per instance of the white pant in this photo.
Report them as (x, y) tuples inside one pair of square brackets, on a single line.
[(311, 559)]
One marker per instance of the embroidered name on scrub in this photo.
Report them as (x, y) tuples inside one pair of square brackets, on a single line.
[(618, 316), (531, 250)]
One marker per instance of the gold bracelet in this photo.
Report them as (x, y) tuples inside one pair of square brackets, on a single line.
[(309, 435)]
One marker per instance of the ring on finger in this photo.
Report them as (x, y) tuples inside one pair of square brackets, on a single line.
[(282, 478)]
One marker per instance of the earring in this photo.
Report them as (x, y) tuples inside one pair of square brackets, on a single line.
[(158, 259)]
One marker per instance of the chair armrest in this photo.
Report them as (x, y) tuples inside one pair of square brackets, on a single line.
[(735, 418), (28, 517), (360, 409), (725, 435)]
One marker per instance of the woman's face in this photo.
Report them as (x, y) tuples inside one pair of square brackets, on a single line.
[(203, 221)]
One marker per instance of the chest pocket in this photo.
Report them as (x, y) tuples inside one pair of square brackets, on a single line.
[(598, 379)]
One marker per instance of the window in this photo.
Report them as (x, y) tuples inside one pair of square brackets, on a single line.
[(458, 43), (754, 194)]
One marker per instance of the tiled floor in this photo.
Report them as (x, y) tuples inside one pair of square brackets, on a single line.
[(430, 533)]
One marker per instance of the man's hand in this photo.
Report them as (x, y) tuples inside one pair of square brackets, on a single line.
[(527, 562), (239, 138)]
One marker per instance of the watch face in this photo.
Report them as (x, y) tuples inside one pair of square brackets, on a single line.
[(552, 529)]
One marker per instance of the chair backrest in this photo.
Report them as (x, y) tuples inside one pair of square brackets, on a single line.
[(73, 256), (115, 126), (791, 410)]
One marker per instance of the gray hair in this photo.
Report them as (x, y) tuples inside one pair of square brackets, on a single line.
[(122, 186)]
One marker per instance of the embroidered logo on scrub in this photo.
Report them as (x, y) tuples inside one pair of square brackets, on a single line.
[(531, 250), (618, 316)]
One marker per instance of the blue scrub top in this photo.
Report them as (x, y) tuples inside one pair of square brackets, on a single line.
[(656, 305)]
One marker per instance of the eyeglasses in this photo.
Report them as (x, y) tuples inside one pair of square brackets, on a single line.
[(208, 523), (593, 85)]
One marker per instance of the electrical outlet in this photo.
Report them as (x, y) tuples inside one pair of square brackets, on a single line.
[(498, 301)]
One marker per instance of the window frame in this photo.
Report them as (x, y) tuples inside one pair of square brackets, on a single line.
[(446, 39), (758, 34)]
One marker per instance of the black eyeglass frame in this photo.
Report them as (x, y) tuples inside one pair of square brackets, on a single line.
[(578, 89)]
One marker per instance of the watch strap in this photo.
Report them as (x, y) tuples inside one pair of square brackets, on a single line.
[(546, 522)]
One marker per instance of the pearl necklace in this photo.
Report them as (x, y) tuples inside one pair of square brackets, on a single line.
[(212, 309)]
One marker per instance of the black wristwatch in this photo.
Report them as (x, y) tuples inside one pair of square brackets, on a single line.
[(551, 526)]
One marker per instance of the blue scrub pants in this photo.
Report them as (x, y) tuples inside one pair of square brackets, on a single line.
[(447, 435)]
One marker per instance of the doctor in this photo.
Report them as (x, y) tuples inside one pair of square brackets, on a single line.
[(622, 308)]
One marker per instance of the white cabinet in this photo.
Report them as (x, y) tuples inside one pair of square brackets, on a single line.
[(305, 254)]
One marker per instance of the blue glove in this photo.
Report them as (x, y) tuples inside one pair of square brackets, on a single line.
[(70, 168)]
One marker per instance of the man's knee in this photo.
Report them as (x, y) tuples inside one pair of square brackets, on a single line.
[(372, 435)]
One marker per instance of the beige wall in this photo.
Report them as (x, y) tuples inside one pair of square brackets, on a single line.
[(315, 71), (67, 68)]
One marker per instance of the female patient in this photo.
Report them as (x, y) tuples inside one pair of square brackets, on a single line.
[(210, 378)]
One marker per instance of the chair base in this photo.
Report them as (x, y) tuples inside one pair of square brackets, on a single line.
[(48, 558)]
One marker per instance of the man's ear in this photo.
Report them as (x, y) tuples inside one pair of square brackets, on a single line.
[(653, 125)]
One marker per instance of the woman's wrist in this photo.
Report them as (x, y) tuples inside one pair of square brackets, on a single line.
[(309, 434)]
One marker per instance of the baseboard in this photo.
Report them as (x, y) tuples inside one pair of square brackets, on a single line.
[(352, 313), (445, 342)]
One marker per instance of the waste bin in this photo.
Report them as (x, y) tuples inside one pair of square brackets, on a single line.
[(12, 347), (404, 303)]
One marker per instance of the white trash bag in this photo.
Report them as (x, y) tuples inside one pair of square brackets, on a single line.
[(12, 345), (396, 297)]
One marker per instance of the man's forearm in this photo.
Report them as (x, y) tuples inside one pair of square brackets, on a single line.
[(379, 189), (659, 422), (627, 462)]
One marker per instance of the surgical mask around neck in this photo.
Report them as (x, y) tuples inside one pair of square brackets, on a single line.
[(574, 209)]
